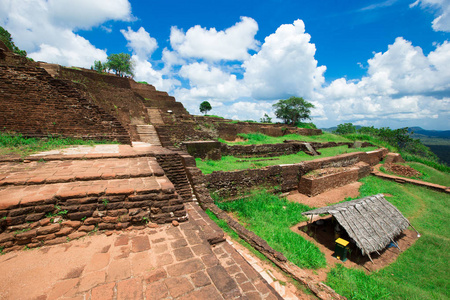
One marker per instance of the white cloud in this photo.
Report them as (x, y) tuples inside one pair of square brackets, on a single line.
[(140, 42), (402, 84), (143, 71), (208, 82), (230, 44), (442, 9), (45, 29), (285, 65)]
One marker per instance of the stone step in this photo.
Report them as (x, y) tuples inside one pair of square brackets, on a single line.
[(155, 116), (148, 134)]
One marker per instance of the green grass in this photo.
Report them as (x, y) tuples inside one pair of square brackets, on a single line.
[(259, 138), (19, 145), (429, 174), (421, 272), (271, 217), (231, 163)]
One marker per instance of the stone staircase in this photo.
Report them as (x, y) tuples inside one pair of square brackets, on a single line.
[(155, 116), (148, 134)]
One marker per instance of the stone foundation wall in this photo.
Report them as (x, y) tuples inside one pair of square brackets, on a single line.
[(57, 220), (284, 177), (36, 105)]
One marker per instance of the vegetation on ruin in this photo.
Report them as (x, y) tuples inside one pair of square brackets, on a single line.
[(205, 106), (232, 163), (16, 144), (396, 140), (421, 272), (293, 110), (120, 63), (429, 174), (259, 138), (6, 38), (254, 212)]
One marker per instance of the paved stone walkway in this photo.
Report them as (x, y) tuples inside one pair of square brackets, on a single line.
[(189, 261), (166, 262)]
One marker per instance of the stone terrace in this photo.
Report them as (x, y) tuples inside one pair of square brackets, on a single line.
[(153, 263), (59, 204)]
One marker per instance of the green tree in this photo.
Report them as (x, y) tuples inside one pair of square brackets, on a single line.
[(99, 66), (120, 63), (6, 38), (205, 106), (293, 110), (345, 128), (266, 119)]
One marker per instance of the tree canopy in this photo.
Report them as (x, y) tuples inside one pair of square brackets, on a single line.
[(120, 63), (205, 106), (293, 110), (6, 38), (345, 128)]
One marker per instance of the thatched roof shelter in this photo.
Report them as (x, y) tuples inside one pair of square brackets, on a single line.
[(372, 222)]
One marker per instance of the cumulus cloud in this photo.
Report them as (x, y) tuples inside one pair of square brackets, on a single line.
[(230, 44), (140, 42), (442, 11), (285, 65), (46, 28), (209, 82), (401, 83)]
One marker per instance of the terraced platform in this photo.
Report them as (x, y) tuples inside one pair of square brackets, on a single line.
[(97, 225)]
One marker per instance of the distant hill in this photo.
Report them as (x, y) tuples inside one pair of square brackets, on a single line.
[(437, 140), (444, 134)]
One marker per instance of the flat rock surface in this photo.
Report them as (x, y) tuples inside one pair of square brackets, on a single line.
[(164, 262)]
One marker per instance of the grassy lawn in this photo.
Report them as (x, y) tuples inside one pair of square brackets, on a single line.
[(421, 272), (231, 163), (255, 211), (429, 174), (18, 145), (259, 138)]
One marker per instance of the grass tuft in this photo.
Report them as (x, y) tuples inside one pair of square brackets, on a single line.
[(255, 211), (19, 145)]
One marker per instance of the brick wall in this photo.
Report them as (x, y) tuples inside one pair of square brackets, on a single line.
[(35, 104), (56, 220), (284, 177)]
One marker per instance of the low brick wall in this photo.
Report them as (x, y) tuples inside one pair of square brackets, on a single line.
[(316, 186), (289, 147), (59, 219), (284, 177)]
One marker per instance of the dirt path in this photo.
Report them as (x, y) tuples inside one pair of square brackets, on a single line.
[(328, 197)]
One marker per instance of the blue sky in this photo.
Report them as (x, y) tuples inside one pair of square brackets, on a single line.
[(382, 63)]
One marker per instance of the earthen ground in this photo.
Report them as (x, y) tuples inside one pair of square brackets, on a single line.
[(328, 197)]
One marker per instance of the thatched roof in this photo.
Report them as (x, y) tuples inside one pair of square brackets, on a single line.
[(372, 222)]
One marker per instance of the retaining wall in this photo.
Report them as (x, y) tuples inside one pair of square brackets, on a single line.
[(284, 177), (58, 219), (36, 105)]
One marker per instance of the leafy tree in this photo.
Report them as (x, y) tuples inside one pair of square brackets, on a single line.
[(120, 63), (205, 106), (345, 128), (293, 110), (6, 38), (266, 119), (99, 66)]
